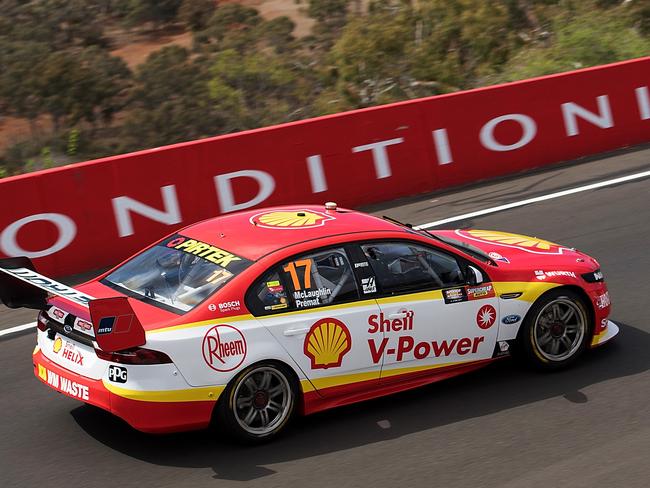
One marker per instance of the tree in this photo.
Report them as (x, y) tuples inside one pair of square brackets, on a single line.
[(329, 14), (232, 26), (156, 11), (268, 89), (170, 102), (371, 57), (83, 85), (196, 13), (18, 80), (59, 23), (278, 33), (585, 39)]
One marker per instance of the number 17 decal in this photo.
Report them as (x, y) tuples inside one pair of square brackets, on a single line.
[(291, 269)]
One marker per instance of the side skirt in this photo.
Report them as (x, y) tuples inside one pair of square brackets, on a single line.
[(338, 396)]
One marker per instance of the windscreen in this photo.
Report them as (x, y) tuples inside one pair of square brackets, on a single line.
[(176, 274)]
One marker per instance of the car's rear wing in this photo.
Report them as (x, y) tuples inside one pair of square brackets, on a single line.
[(115, 324), (22, 287)]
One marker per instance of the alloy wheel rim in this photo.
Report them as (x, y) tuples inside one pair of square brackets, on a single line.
[(262, 401), (559, 329)]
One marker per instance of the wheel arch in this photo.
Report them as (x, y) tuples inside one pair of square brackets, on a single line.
[(294, 378), (580, 292)]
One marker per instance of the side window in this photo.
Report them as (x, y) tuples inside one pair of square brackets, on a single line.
[(322, 278), (303, 282), (405, 266)]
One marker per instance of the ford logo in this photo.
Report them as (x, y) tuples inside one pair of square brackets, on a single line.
[(511, 319), (67, 328)]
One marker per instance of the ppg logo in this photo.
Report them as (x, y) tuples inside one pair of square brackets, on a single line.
[(117, 374)]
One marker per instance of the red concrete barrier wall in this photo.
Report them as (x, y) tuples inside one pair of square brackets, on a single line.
[(93, 214)]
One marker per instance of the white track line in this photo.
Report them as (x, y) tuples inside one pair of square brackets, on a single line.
[(542, 198), (470, 215), (18, 328)]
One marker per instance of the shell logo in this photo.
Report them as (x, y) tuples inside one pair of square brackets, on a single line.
[(326, 343), (506, 239), (290, 219), (56, 347)]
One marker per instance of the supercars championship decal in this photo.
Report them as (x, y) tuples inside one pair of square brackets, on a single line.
[(516, 241), (291, 219), (224, 348), (465, 293), (326, 343)]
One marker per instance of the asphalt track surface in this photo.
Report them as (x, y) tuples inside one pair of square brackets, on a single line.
[(499, 427)]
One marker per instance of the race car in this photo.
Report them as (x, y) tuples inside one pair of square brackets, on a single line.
[(244, 320)]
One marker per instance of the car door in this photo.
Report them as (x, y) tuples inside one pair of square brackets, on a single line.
[(312, 306), (429, 316)]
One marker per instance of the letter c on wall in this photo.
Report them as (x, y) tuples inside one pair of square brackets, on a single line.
[(65, 226)]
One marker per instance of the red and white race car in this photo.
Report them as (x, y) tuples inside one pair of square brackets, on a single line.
[(251, 317)]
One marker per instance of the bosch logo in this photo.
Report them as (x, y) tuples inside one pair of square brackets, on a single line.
[(117, 374), (228, 306)]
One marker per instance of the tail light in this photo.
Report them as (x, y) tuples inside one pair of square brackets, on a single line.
[(41, 322), (137, 355)]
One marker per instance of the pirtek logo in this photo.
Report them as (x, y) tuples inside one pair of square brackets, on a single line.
[(598, 112)]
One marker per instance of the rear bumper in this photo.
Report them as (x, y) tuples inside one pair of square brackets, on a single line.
[(146, 411)]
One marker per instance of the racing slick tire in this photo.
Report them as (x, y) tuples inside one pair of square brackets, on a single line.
[(555, 331), (257, 404)]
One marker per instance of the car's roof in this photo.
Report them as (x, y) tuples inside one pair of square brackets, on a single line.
[(255, 233)]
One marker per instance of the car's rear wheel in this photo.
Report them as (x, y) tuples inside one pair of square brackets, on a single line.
[(555, 330), (258, 403)]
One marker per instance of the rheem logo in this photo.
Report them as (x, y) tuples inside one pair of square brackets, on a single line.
[(224, 348)]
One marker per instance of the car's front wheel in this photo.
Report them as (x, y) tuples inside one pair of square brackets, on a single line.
[(555, 330), (258, 403)]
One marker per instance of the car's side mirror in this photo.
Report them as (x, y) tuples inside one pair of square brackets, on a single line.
[(474, 276)]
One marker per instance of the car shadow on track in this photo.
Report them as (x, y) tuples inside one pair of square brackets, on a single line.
[(500, 386)]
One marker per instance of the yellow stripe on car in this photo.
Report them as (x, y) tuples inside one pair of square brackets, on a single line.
[(530, 290), (211, 393), (240, 318), (348, 379), (597, 337)]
